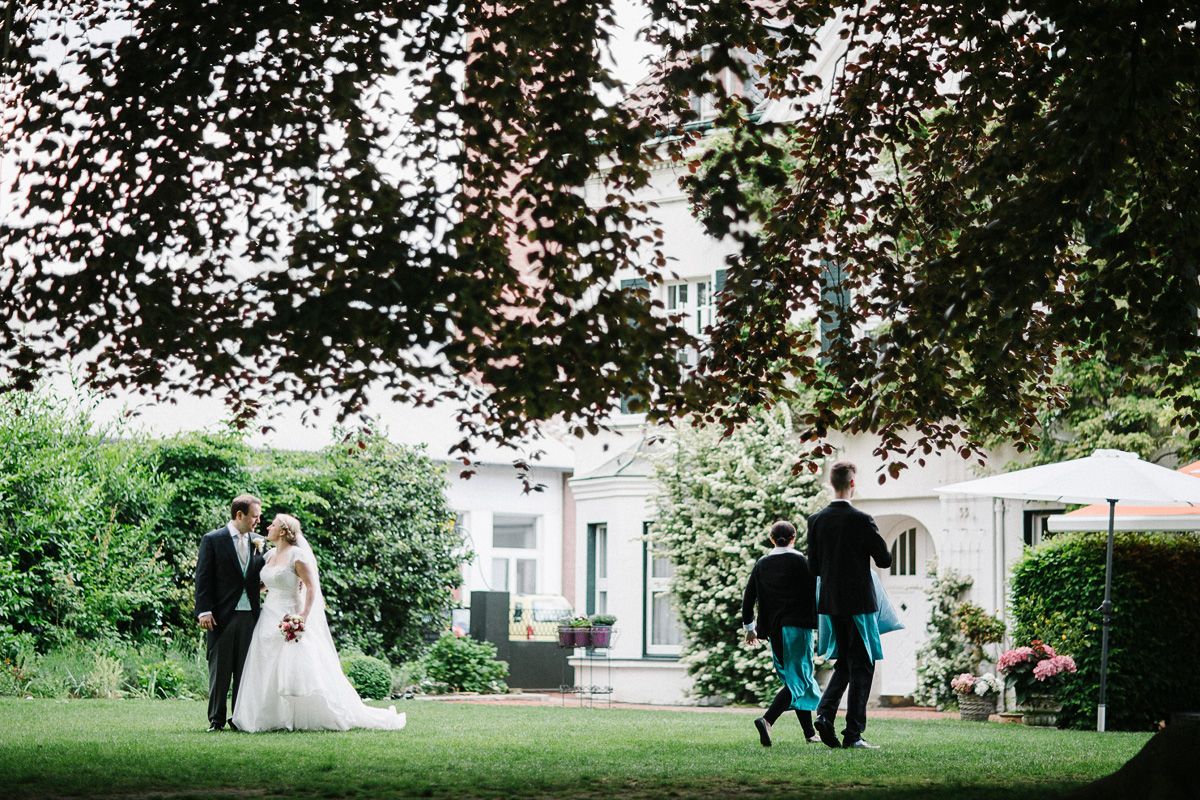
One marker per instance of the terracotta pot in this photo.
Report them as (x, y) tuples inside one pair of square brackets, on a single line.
[(974, 708)]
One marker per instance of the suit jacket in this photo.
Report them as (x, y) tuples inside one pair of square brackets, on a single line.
[(842, 542), (219, 579), (785, 591)]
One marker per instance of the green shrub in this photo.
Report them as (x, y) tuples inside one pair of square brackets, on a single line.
[(371, 677), (1155, 635), (408, 676), (461, 664), (99, 533), (78, 511), (163, 678)]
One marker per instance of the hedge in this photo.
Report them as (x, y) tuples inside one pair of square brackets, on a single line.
[(99, 530), (1154, 642)]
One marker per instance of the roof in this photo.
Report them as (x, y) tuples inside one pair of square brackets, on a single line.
[(631, 463)]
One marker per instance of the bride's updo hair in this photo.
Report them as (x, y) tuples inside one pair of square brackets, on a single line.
[(290, 527)]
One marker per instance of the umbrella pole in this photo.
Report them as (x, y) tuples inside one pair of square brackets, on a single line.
[(1105, 610)]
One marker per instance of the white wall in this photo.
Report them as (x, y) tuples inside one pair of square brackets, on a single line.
[(497, 490)]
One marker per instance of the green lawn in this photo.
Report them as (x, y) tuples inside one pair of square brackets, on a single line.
[(159, 748)]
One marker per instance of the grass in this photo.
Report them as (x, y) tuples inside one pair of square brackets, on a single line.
[(147, 748)]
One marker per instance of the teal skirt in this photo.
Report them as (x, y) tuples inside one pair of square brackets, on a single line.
[(792, 654)]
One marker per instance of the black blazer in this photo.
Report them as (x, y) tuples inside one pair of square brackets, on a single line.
[(786, 592), (219, 579), (842, 542)]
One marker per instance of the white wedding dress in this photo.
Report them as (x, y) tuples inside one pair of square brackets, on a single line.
[(299, 685)]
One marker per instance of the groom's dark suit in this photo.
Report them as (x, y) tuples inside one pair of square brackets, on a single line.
[(842, 542), (220, 584)]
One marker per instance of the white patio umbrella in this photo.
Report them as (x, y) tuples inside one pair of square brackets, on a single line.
[(1109, 476)]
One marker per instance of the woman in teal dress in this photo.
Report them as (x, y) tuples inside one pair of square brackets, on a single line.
[(785, 592)]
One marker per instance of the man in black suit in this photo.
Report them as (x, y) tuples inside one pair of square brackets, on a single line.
[(842, 542), (227, 600), (786, 594)]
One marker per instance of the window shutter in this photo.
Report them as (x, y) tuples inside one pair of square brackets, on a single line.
[(719, 281), (835, 299)]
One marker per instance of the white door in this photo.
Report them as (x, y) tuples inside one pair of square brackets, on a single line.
[(905, 584)]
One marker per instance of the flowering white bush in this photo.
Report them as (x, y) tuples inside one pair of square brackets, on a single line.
[(716, 500)]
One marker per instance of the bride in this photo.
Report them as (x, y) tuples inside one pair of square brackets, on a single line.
[(298, 685)]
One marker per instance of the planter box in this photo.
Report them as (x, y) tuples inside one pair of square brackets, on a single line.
[(600, 636)]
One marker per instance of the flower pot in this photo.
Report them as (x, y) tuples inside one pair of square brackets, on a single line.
[(1040, 710), (566, 637), (600, 636), (579, 637), (973, 708)]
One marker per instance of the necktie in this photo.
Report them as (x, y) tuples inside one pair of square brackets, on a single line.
[(241, 548)]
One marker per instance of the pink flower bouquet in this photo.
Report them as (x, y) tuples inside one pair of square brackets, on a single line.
[(1034, 668), (1047, 669), (291, 626)]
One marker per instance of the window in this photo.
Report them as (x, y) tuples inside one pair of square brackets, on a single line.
[(526, 576), (1037, 525), (499, 575), (904, 553), (663, 631), (835, 300), (597, 568), (694, 300), (519, 533), (515, 539)]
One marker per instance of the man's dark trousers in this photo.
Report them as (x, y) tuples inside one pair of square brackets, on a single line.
[(228, 645), (854, 668)]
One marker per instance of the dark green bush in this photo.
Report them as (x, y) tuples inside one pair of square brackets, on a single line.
[(384, 538), (99, 532), (1154, 642), (461, 664), (79, 514), (371, 677)]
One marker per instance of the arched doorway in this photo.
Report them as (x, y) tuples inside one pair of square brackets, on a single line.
[(905, 582)]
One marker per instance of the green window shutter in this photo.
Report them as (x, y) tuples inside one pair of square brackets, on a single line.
[(835, 299), (719, 280), (590, 604)]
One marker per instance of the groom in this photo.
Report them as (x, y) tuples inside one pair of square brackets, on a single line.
[(842, 543), (227, 600)]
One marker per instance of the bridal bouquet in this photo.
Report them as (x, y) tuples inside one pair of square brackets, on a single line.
[(291, 626)]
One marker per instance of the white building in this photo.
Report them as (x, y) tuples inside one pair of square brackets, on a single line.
[(614, 571)]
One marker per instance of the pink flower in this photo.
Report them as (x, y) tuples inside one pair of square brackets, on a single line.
[(1014, 658), (1050, 667)]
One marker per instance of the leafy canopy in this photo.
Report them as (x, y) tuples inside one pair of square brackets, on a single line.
[(331, 196)]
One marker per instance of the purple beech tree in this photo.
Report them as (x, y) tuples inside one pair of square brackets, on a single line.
[(318, 198)]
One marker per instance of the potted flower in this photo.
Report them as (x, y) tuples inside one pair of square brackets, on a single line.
[(579, 630), (600, 634), (568, 632), (1037, 672), (976, 695)]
